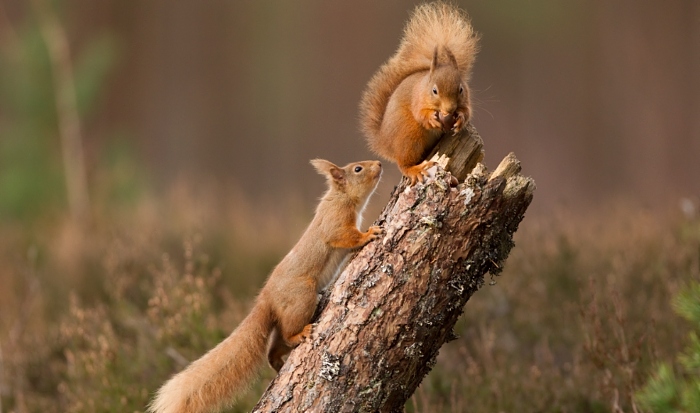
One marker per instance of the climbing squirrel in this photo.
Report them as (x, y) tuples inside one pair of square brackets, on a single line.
[(279, 320), (421, 92)]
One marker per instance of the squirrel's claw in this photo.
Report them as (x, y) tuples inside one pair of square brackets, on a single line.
[(434, 120), (459, 123), (418, 173), (308, 330), (375, 232)]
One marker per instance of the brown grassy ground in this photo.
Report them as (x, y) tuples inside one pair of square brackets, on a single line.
[(96, 319)]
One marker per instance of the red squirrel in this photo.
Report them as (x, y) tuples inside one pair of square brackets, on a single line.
[(421, 92), (279, 320)]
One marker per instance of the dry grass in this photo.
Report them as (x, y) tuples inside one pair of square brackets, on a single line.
[(95, 320), (576, 321)]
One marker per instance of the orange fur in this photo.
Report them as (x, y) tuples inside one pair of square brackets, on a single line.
[(421, 91), (280, 317)]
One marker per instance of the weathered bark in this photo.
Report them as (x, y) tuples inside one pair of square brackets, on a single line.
[(382, 323)]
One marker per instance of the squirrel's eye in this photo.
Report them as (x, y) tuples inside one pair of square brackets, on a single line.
[(461, 89), (358, 169), (434, 90)]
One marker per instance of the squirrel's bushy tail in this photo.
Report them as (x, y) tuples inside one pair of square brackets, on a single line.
[(431, 25), (217, 378)]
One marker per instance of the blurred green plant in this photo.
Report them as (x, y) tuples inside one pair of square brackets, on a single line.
[(30, 173), (668, 391), (32, 179), (121, 180)]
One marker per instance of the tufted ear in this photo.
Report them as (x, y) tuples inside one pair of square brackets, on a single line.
[(452, 58), (434, 62), (329, 169)]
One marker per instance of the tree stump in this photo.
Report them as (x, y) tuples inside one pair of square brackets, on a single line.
[(380, 325)]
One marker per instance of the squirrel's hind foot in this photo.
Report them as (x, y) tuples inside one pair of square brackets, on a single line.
[(417, 173)]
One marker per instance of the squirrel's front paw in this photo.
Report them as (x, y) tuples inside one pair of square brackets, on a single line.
[(434, 120), (460, 123), (375, 232)]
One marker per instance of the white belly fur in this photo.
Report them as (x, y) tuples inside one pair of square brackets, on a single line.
[(335, 263)]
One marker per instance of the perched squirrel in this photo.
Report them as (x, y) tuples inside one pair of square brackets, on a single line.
[(286, 303), (421, 91)]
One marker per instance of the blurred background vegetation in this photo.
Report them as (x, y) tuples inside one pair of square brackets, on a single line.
[(196, 122)]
